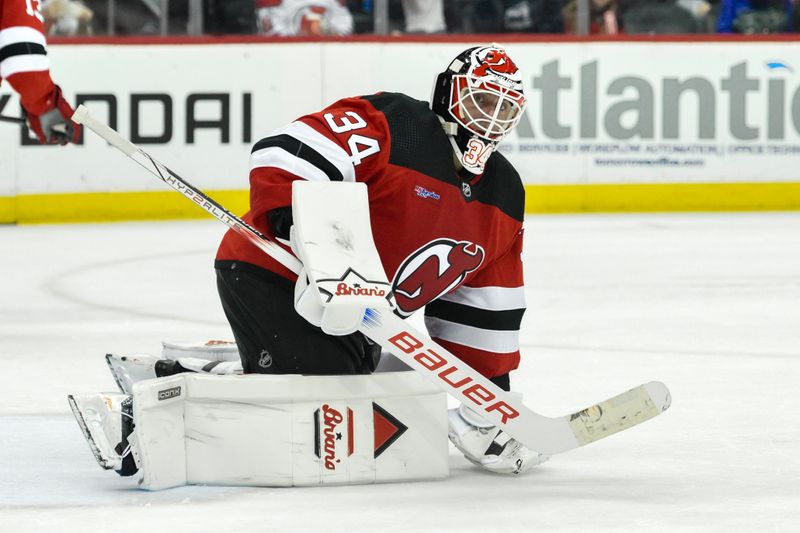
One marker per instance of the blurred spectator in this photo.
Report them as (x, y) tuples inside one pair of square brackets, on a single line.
[(363, 15), (224, 17), (602, 17), (131, 17), (303, 17), (698, 8), (703, 12), (655, 17), (424, 16), (533, 16), (794, 18), (144, 17), (755, 16), (67, 17), (500, 16), (475, 16)]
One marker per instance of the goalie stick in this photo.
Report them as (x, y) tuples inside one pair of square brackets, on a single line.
[(544, 434)]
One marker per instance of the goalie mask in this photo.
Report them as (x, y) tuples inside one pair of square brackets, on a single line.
[(479, 98)]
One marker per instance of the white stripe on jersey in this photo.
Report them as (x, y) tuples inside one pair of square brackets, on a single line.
[(279, 158), (481, 339), (20, 34), (27, 63), (489, 298), (328, 149)]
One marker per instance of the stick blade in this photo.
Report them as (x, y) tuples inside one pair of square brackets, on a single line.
[(621, 412), (660, 394)]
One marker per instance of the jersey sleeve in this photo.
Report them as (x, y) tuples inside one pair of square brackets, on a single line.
[(344, 142), (23, 53), (480, 321)]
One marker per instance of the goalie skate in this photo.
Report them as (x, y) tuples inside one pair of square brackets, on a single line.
[(486, 445), (100, 419), (128, 369)]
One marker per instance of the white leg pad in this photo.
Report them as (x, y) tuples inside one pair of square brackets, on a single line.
[(214, 350), (289, 430), (159, 437)]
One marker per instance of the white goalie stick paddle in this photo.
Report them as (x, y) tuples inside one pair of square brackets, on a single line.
[(541, 433)]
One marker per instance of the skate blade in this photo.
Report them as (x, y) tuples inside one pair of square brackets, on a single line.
[(106, 462)]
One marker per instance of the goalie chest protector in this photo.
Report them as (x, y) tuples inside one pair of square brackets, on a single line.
[(417, 200)]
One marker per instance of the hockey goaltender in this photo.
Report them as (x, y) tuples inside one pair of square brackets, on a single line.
[(370, 189)]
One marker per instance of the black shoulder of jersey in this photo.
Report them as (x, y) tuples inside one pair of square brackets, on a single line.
[(501, 186), (418, 140)]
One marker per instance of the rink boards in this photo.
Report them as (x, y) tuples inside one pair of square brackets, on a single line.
[(611, 126)]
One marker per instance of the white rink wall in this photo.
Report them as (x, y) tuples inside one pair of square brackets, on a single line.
[(599, 112), (283, 81)]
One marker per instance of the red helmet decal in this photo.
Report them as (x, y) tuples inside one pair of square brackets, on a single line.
[(496, 61), (433, 270)]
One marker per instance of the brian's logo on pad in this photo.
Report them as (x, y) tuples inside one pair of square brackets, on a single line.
[(331, 428), (433, 270), (334, 437)]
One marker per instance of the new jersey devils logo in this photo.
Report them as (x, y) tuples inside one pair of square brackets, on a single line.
[(432, 271), (494, 60)]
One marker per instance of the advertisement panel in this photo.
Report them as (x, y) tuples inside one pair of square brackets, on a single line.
[(196, 108), (600, 113), (660, 113)]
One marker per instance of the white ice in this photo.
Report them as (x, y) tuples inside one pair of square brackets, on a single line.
[(708, 303)]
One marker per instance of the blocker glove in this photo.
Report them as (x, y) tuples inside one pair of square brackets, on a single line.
[(53, 125), (339, 303), (342, 278), (335, 318)]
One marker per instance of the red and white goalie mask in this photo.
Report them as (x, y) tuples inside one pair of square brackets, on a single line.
[(481, 96)]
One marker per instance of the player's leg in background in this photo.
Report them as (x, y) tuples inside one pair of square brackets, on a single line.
[(273, 339)]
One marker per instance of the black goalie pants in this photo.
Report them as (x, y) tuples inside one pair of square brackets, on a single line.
[(271, 336)]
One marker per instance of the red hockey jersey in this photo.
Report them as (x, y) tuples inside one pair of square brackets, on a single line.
[(451, 247), (23, 56)]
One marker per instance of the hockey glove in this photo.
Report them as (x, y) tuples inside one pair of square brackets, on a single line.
[(485, 445), (334, 320), (53, 126), (315, 307), (342, 275)]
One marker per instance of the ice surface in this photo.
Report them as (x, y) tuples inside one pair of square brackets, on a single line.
[(708, 303)]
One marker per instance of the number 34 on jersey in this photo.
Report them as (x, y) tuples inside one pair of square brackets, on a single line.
[(360, 146)]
